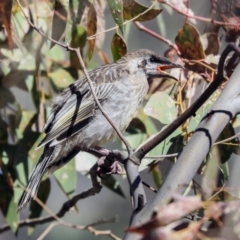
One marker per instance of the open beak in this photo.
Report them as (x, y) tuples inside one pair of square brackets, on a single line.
[(162, 68)]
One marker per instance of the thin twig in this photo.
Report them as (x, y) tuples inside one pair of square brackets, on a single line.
[(154, 34), (162, 156), (47, 230)]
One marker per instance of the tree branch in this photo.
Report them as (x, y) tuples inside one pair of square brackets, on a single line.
[(183, 171)]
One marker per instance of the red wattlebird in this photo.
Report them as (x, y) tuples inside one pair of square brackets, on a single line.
[(76, 123)]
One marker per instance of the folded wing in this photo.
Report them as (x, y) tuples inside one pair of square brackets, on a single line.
[(75, 114)]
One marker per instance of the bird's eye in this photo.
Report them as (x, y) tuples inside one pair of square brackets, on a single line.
[(151, 59)]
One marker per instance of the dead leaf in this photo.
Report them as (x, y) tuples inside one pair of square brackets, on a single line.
[(118, 46), (91, 29), (5, 19), (132, 9)]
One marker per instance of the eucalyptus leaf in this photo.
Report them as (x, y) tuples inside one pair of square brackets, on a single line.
[(111, 183), (67, 178), (118, 47), (116, 9), (61, 78), (161, 107)]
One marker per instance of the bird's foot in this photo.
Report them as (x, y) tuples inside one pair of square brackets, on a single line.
[(107, 164)]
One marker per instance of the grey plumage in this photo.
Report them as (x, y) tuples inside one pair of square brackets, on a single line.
[(76, 122)]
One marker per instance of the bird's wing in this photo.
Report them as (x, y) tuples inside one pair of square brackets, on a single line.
[(75, 113)]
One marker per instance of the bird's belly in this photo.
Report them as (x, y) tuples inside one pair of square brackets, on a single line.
[(99, 130)]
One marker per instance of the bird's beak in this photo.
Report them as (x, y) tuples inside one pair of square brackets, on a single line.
[(162, 68)]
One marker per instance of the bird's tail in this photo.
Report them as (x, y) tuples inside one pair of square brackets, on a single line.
[(35, 179)]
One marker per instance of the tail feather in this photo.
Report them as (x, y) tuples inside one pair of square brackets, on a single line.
[(35, 179)]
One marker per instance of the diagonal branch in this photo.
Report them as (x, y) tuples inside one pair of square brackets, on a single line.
[(210, 127)]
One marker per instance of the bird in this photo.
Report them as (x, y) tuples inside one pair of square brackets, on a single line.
[(76, 123)]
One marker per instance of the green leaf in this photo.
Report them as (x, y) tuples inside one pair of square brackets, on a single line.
[(76, 10), (116, 9), (7, 203), (163, 148), (157, 176), (25, 119), (136, 126), (67, 177), (161, 107), (56, 54), (12, 216), (111, 183), (177, 144), (27, 146), (61, 78), (79, 37), (225, 170), (132, 9), (30, 230), (148, 122), (59, 21), (135, 140), (118, 47), (194, 121), (16, 38)]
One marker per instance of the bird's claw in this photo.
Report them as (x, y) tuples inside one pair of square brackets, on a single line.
[(107, 166)]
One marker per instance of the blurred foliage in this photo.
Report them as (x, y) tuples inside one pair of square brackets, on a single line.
[(33, 70)]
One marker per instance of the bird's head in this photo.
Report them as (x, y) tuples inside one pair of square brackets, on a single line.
[(152, 64)]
